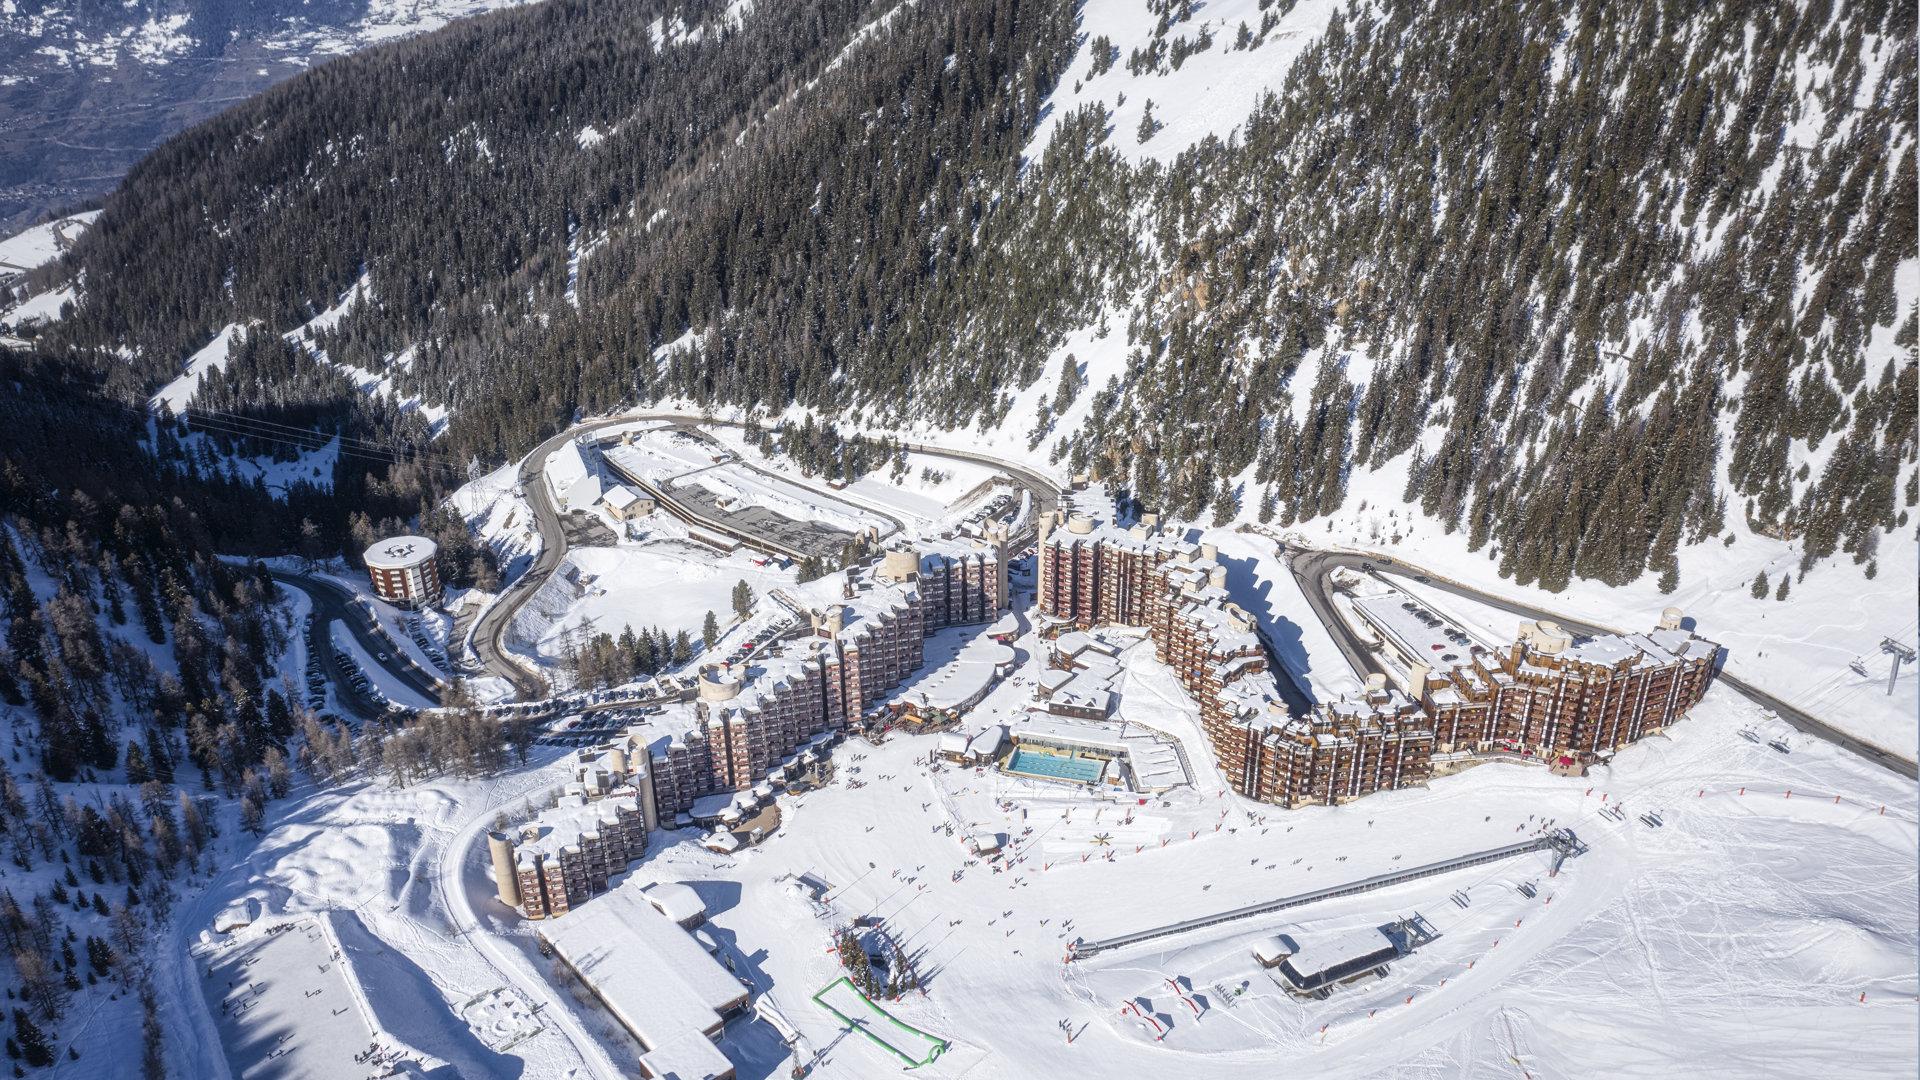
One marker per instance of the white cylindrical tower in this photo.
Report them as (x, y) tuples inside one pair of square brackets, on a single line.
[(506, 875)]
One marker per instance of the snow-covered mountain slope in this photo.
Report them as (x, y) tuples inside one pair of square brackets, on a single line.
[(86, 89), (1586, 296)]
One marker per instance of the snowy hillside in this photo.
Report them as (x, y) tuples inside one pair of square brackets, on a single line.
[(87, 89)]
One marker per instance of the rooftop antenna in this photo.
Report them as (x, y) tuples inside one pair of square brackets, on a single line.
[(1901, 655)]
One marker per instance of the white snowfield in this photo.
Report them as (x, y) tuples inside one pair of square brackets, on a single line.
[(1209, 95), (33, 248), (29, 250), (213, 357), (606, 590), (1735, 938)]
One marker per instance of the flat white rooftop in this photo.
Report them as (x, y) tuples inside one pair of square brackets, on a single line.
[(1322, 952), (1417, 630), (653, 976)]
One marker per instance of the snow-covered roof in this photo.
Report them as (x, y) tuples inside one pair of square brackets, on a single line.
[(1659, 647), (653, 976), (564, 825), (620, 496), (574, 482), (1155, 762), (400, 553), (241, 913), (676, 901), (1320, 953), (1098, 737), (1082, 693), (1271, 949), (712, 806), (989, 741), (964, 680), (953, 742), (691, 1056)]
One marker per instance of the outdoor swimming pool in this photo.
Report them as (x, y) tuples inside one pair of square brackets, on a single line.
[(1055, 767)]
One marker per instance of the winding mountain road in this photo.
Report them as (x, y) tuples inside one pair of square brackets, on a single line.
[(490, 630), (1313, 568)]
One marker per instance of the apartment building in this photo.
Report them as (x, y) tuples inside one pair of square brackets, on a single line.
[(570, 852), (962, 579), (405, 571), (1547, 694), (867, 635), (1377, 740)]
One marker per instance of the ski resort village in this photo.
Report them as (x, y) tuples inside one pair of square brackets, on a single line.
[(972, 539), (968, 768)]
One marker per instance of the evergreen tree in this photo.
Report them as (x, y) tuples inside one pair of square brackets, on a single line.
[(1149, 127), (137, 771), (31, 1041)]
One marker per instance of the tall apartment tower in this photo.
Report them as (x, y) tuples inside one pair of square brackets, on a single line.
[(405, 571)]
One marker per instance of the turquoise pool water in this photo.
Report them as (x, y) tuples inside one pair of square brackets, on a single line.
[(1079, 770)]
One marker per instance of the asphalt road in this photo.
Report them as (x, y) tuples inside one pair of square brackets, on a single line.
[(331, 602), (490, 631), (1311, 568)]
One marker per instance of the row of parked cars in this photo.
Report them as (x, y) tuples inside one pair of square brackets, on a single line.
[(316, 677), (416, 629)]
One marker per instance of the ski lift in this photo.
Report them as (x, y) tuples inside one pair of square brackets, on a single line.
[(1859, 667)]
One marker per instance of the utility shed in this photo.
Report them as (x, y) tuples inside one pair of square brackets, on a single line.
[(655, 978), (1321, 961)]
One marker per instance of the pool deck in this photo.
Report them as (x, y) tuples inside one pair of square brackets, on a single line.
[(1069, 770)]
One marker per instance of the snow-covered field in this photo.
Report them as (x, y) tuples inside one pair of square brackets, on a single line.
[(1736, 939), (500, 517), (670, 584), (375, 862), (213, 357), (1207, 97), (30, 250), (931, 491), (1719, 944), (33, 248)]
